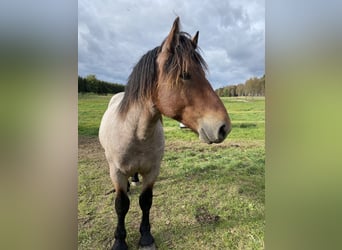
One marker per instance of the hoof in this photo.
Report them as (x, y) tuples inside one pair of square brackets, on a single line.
[(150, 247), (146, 242), (119, 245)]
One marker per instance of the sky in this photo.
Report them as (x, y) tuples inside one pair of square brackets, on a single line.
[(114, 34)]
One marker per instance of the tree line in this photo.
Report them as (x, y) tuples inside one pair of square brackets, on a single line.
[(91, 84), (252, 87)]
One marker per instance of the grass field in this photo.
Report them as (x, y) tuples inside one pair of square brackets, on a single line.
[(206, 197)]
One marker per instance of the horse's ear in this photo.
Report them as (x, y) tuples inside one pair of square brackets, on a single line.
[(195, 39), (172, 39)]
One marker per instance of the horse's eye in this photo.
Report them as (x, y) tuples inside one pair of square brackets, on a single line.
[(185, 75)]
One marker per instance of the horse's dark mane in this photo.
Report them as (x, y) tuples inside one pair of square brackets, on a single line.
[(142, 81), (185, 54)]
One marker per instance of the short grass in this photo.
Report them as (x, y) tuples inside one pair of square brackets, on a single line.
[(206, 197)]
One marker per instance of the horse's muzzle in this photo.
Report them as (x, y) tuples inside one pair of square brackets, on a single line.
[(214, 133)]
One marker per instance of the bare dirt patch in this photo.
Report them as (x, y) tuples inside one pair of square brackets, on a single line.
[(203, 216), (90, 148)]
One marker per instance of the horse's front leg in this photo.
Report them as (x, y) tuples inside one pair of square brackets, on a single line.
[(145, 201), (121, 207)]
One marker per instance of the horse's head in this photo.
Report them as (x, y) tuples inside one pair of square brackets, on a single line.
[(183, 92)]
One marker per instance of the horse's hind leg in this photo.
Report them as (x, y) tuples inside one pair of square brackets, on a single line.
[(121, 208), (135, 179)]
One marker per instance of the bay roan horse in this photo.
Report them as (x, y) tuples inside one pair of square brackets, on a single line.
[(168, 80)]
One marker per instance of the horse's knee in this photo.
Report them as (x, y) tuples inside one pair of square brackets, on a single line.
[(121, 203), (121, 208), (145, 199)]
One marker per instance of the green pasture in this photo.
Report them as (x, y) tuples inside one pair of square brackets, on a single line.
[(206, 197)]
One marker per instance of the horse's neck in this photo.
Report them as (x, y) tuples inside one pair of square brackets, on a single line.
[(144, 119)]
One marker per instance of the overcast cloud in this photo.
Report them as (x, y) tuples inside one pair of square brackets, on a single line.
[(113, 35)]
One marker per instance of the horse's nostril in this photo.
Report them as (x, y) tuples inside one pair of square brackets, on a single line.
[(222, 132)]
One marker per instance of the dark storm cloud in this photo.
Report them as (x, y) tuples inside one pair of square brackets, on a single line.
[(113, 35)]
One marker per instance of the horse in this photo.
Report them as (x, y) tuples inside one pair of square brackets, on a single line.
[(168, 80)]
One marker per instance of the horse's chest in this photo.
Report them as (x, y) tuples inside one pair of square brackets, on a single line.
[(140, 156)]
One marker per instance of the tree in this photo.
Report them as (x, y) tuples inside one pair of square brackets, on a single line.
[(92, 84), (240, 89), (232, 90), (252, 87), (81, 85)]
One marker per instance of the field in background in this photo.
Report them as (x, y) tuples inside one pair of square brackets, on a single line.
[(206, 197)]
